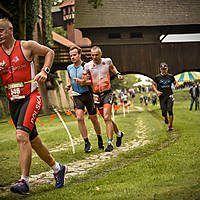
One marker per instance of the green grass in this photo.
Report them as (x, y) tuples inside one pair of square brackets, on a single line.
[(167, 168)]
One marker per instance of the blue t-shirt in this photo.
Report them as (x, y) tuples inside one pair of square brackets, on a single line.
[(76, 72)]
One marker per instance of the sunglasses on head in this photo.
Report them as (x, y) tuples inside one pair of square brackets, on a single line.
[(163, 66)]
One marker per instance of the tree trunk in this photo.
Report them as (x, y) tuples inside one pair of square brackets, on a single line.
[(22, 19)]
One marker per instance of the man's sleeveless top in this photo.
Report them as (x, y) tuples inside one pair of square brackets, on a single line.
[(99, 74), (18, 73), (76, 72)]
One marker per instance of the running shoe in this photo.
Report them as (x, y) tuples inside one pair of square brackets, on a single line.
[(100, 144), (170, 128), (20, 187), (88, 147), (119, 140), (109, 147), (60, 177), (166, 120)]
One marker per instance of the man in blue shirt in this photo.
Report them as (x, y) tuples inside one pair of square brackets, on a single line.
[(82, 97)]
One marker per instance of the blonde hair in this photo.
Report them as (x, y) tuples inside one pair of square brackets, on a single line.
[(6, 22), (95, 48)]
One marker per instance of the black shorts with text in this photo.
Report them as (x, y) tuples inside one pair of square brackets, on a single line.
[(106, 97)]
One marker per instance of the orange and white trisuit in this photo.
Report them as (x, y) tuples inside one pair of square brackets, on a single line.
[(100, 78)]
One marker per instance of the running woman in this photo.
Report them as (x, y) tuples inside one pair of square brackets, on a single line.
[(82, 97), (17, 71), (162, 87), (98, 70)]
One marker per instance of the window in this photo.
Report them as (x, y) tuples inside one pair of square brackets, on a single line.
[(114, 35), (136, 35)]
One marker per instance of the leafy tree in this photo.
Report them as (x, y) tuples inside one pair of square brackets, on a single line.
[(57, 2), (47, 22), (31, 17), (23, 15), (96, 3), (60, 31), (127, 82)]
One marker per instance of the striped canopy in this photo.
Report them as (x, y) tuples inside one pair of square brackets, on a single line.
[(187, 76)]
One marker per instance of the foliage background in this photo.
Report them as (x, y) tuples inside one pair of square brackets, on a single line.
[(23, 14)]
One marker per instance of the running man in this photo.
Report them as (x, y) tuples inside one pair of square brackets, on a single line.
[(18, 75), (162, 87), (82, 97), (98, 70)]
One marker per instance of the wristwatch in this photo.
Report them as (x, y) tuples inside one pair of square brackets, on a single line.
[(118, 73), (46, 69)]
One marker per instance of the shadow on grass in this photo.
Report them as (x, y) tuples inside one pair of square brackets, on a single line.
[(184, 193), (37, 191)]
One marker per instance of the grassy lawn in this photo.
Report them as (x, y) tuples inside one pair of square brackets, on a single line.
[(165, 168)]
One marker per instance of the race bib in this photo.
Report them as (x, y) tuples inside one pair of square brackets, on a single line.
[(96, 98), (15, 91)]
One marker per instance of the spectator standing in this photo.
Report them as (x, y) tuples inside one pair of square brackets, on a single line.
[(194, 91)]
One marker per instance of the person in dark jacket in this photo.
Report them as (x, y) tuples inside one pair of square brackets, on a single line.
[(194, 91)]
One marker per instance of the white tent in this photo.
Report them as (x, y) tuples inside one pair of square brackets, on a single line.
[(143, 83)]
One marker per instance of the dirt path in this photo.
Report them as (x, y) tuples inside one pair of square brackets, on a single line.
[(81, 167)]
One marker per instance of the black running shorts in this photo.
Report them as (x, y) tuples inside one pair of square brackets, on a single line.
[(106, 98), (85, 100), (166, 105)]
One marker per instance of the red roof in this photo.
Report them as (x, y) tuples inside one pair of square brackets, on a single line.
[(67, 3), (62, 40)]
